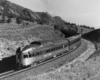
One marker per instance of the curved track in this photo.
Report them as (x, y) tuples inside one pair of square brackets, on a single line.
[(14, 72)]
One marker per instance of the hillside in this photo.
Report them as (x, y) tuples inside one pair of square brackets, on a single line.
[(95, 35), (67, 27), (11, 10), (13, 37), (59, 21), (20, 26)]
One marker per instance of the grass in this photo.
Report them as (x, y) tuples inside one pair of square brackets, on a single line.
[(13, 36)]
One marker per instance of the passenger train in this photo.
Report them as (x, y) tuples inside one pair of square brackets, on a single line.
[(39, 51)]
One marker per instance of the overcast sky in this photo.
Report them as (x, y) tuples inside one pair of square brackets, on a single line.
[(84, 12)]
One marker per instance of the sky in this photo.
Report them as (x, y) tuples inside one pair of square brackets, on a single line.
[(81, 12)]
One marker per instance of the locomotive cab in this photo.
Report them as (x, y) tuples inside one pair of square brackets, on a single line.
[(25, 57), (35, 43)]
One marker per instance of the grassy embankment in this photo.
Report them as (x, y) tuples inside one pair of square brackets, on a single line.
[(13, 36)]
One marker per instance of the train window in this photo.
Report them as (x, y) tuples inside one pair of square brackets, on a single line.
[(57, 48), (52, 49), (47, 50), (43, 52), (35, 54), (60, 47), (65, 45), (25, 56), (32, 54), (38, 53)]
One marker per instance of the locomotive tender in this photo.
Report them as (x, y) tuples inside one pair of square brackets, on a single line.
[(39, 51)]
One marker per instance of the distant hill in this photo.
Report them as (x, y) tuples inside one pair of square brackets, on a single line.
[(59, 20), (11, 10), (93, 36), (64, 26)]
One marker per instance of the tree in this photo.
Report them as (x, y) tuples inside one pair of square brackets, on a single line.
[(18, 20), (9, 20), (3, 19)]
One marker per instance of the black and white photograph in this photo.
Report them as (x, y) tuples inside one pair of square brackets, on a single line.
[(49, 40)]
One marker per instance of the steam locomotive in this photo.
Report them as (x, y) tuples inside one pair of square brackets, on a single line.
[(39, 51)]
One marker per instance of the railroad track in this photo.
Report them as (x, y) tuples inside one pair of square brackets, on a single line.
[(14, 72)]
